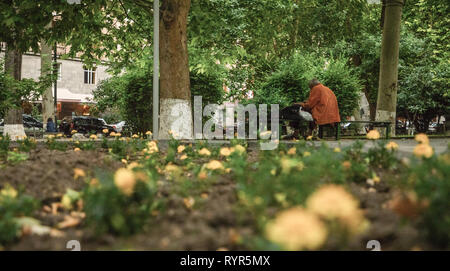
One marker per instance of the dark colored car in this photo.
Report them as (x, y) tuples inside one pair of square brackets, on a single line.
[(84, 125), (28, 122)]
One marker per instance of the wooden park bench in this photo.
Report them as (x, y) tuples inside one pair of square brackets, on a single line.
[(337, 132)]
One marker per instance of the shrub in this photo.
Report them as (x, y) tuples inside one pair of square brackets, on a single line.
[(289, 83), (430, 178), (114, 206), (131, 95), (4, 146), (13, 206)]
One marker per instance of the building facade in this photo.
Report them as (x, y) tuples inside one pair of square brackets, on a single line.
[(75, 82)]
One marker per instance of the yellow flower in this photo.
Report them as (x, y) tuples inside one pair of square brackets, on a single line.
[(423, 150), (202, 175), (132, 165), (183, 157), (225, 151), (8, 191), (74, 132), (204, 152), (214, 165), (152, 147), (273, 172), (189, 202), (173, 171), (309, 138), (422, 138), (51, 136), (93, 137), (134, 136), (124, 161), (334, 202), (76, 149), (149, 133), (59, 135), (66, 202), (94, 182), (391, 146), (239, 149), (292, 151), (125, 181), (376, 179), (373, 135), (112, 134), (337, 149), (306, 154), (117, 134), (297, 229), (78, 172), (181, 148), (105, 131), (288, 164)]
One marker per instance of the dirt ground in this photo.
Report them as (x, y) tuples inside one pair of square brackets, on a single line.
[(213, 225)]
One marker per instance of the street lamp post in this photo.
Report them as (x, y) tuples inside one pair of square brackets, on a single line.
[(55, 69), (155, 68)]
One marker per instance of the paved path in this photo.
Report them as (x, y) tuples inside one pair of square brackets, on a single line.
[(406, 146)]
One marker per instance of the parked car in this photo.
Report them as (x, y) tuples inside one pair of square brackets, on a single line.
[(84, 125), (28, 122)]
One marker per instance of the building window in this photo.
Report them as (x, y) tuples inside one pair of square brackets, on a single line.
[(89, 76), (59, 70)]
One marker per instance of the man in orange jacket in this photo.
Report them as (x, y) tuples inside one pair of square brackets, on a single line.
[(322, 104)]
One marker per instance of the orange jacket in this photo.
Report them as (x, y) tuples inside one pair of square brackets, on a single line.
[(323, 105)]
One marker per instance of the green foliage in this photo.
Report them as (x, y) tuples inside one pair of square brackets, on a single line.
[(287, 180), (424, 93), (131, 95), (13, 93), (108, 210), (380, 157), (289, 83), (4, 146), (207, 85), (357, 163), (53, 144), (428, 19), (27, 144), (430, 180), (16, 157), (13, 206)]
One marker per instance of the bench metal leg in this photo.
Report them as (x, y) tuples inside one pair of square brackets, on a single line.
[(388, 131), (338, 130)]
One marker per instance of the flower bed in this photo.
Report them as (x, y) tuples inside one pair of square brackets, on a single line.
[(135, 193)]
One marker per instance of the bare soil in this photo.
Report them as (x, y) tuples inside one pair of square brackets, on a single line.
[(214, 223)]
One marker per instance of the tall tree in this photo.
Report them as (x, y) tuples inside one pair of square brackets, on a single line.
[(47, 96), (388, 81), (175, 101), (22, 24), (13, 126)]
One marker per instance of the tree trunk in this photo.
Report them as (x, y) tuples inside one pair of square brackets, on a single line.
[(47, 96), (13, 119), (388, 81), (175, 101)]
